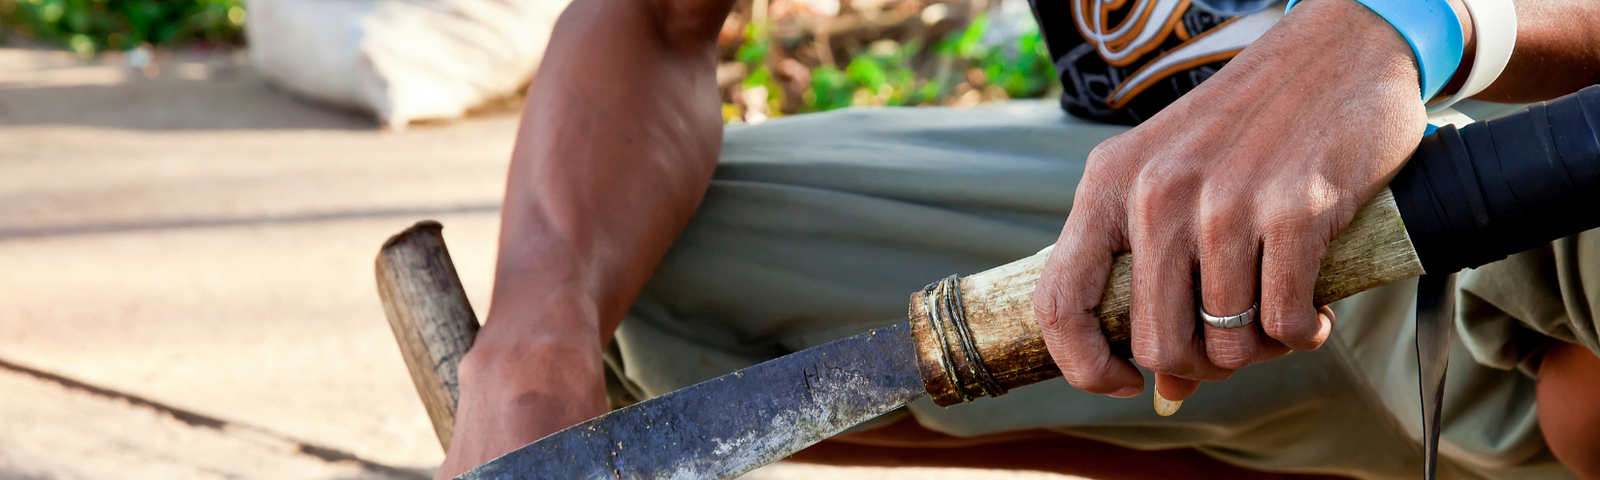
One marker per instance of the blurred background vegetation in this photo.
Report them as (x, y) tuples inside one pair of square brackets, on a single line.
[(782, 57), (92, 26), (779, 57)]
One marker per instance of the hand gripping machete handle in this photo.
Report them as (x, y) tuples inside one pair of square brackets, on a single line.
[(1465, 198), (430, 317), (1002, 339)]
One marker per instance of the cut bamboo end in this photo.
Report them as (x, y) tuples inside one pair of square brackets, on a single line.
[(429, 314)]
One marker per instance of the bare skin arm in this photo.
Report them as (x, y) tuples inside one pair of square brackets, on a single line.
[(616, 148)]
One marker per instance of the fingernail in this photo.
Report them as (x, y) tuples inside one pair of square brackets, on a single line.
[(1126, 392), (1166, 407)]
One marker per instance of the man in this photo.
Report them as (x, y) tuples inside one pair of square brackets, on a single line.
[(813, 228)]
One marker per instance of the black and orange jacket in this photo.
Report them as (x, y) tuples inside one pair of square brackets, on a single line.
[(1121, 61)]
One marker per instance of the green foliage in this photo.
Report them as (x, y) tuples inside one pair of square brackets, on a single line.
[(883, 75), (1022, 68), (89, 26), (756, 45), (754, 53), (895, 74), (830, 89)]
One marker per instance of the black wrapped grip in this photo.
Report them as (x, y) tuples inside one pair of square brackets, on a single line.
[(1490, 189)]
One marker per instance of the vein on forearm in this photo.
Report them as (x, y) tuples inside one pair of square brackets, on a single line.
[(619, 137)]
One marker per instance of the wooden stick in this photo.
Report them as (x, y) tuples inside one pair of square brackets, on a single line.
[(430, 316), (1373, 251)]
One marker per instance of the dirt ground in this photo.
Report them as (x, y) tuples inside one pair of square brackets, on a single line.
[(186, 284)]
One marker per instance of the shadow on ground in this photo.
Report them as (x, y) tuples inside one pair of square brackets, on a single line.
[(7, 474)]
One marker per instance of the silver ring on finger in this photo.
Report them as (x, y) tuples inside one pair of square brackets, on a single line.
[(1230, 321)]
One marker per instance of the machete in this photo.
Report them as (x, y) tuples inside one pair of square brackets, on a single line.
[(1465, 198)]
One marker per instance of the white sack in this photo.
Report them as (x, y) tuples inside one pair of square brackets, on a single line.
[(402, 60)]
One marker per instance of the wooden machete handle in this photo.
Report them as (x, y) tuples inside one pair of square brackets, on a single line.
[(430, 316), (1001, 338)]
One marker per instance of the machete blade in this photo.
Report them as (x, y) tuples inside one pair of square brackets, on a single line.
[(1436, 314), (732, 424)]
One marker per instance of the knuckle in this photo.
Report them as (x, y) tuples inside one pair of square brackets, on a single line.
[(1168, 175), (1162, 189), (1090, 221), (1290, 202), (1231, 360), (1299, 332), (1161, 361), (1096, 205), (1221, 214), (1280, 327), (1292, 241), (1150, 214), (1111, 159), (1047, 305), (1106, 151), (1282, 222), (1292, 220), (1095, 185), (1229, 353), (1147, 199), (1089, 376), (1058, 312), (1225, 195), (1342, 212), (1111, 149), (1187, 361)]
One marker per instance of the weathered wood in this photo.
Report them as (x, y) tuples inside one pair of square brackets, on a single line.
[(430, 317), (1373, 251)]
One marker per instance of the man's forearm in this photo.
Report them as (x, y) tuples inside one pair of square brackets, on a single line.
[(617, 145), (1558, 52)]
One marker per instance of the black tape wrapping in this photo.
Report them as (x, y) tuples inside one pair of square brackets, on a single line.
[(1491, 189)]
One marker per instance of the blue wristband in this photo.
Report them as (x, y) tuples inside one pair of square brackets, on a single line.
[(1432, 29)]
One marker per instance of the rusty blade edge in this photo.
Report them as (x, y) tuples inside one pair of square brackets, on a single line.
[(729, 425)]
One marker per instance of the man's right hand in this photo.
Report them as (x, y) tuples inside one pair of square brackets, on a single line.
[(1235, 189), (511, 397)]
